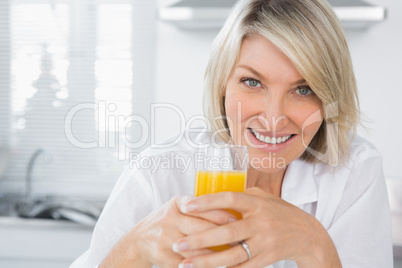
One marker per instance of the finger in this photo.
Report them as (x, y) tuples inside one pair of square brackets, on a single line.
[(188, 225), (229, 257), (233, 244), (221, 235), (196, 252), (240, 202), (171, 260), (219, 216), (182, 201), (256, 261), (259, 257)]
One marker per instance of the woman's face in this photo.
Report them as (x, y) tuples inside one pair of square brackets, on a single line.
[(270, 108)]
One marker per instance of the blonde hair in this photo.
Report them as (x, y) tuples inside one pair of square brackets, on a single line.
[(310, 35)]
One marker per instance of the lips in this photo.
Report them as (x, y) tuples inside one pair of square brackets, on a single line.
[(270, 143), (270, 140)]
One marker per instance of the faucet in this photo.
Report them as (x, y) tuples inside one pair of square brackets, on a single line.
[(47, 207), (31, 164)]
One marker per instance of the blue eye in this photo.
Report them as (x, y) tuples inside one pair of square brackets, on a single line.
[(304, 91), (252, 82)]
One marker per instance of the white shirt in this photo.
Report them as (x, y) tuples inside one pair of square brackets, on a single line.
[(351, 202)]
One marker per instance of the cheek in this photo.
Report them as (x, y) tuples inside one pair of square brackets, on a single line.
[(231, 108), (238, 108), (308, 119)]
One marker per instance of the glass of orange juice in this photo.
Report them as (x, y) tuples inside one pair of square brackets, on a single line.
[(221, 169)]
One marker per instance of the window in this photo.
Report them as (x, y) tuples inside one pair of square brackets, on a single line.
[(71, 75)]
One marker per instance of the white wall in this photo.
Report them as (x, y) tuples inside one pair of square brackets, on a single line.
[(377, 52)]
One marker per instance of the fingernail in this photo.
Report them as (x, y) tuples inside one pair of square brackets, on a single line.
[(187, 265), (184, 206), (232, 220), (180, 246), (191, 207)]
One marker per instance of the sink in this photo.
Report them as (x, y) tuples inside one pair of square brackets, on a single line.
[(46, 206), (43, 243), (7, 205), (44, 231), (49, 207)]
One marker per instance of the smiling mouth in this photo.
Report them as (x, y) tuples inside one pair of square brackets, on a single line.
[(270, 140)]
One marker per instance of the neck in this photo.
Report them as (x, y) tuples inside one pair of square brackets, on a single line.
[(269, 182)]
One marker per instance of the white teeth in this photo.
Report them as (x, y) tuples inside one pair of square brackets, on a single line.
[(270, 140)]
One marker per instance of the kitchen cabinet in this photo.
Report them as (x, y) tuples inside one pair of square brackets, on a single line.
[(211, 14)]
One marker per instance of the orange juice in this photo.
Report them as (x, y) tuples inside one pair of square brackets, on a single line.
[(209, 182)]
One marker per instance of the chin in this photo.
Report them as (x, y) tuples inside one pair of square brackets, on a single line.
[(269, 170), (270, 163)]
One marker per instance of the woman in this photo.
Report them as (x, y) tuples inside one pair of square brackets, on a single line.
[(280, 81)]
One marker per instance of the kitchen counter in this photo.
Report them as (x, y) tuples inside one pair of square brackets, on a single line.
[(56, 243), (41, 243), (15, 222)]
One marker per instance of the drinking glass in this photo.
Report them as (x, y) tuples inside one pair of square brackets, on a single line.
[(220, 169)]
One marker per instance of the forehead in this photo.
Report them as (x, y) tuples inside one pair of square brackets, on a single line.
[(256, 44), (261, 54)]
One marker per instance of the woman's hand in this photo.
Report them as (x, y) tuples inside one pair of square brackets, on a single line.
[(272, 228), (150, 241)]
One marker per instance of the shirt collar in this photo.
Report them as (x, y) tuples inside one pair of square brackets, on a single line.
[(299, 185)]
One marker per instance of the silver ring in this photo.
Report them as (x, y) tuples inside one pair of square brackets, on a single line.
[(244, 245)]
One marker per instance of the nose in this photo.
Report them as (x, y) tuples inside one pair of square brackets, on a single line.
[(273, 113)]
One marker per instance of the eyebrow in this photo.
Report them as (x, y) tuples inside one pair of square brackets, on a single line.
[(250, 69), (259, 75)]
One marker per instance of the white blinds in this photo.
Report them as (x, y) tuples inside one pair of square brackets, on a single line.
[(5, 75), (82, 64)]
